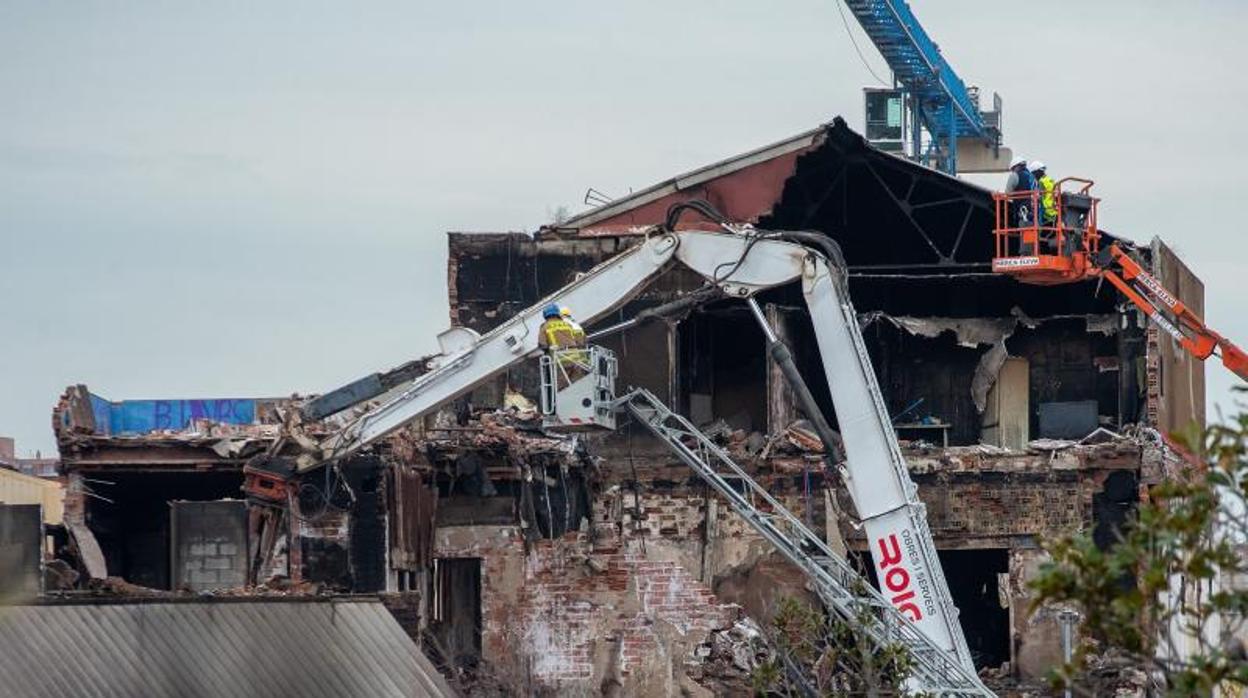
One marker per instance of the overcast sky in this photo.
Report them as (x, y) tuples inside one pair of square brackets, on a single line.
[(246, 199)]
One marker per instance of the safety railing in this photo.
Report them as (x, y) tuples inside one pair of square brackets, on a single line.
[(1021, 228), (563, 367)]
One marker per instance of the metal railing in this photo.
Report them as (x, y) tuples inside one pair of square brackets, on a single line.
[(1020, 230)]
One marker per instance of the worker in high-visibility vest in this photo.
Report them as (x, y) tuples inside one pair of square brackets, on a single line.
[(566, 313), (1048, 205), (565, 341)]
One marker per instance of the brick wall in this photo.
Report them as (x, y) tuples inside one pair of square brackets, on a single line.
[(628, 600), (571, 606), (571, 613), (1024, 506)]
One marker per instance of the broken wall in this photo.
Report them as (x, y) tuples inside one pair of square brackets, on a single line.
[(1176, 380), (575, 615), (626, 600)]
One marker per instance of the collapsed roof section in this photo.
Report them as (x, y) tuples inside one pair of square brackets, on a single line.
[(918, 244), (194, 433), (829, 179)]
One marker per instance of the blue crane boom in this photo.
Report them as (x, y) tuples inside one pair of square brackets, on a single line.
[(941, 101)]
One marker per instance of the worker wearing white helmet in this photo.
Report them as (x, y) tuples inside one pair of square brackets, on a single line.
[(1020, 177), (1048, 205), (1020, 180)]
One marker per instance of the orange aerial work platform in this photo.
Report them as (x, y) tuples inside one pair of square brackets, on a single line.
[(1068, 249), (1054, 252)]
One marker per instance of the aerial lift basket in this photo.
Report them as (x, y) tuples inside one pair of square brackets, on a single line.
[(1058, 253), (578, 388)]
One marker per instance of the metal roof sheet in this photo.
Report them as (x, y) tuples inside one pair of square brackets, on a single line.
[(212, 648)]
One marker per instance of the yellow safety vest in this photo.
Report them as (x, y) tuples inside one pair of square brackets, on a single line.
[(1046, 198), (561, 334)]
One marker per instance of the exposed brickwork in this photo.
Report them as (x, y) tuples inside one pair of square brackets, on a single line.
[(75, 500), (568, 601), (565, 611), (1004, 508), (655, 576), (679, 516)]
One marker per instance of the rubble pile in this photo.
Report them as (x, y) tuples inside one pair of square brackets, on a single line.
[(726, 661)]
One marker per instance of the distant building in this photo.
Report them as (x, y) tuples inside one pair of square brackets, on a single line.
[(37, 466)]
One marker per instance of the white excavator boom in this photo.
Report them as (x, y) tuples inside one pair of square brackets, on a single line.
[(740, 265)]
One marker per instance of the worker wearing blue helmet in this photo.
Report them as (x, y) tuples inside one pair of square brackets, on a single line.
[(565, 341)]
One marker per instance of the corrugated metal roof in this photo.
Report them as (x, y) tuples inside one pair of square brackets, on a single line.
[(238, 648)]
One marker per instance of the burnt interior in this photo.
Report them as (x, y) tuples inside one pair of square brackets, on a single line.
[(368, 524), (723, 366), (918, 244), (972, 576), (555, 500), (130, 516), (454, 595)]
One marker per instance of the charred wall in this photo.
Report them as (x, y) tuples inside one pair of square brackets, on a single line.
[(130, 517)]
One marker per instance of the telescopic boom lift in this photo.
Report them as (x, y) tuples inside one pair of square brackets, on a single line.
[(1069, 250)]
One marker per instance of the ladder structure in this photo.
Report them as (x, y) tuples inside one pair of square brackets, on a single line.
[(839, 586)]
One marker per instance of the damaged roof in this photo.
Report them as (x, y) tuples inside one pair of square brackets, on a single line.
[(188, 432), (82, 412), (784, 151), (327, 648), (830, 179)]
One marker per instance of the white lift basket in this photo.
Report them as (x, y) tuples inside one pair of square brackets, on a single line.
[(578, 388)]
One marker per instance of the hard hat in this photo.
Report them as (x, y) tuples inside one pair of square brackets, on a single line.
[(565, 311), (1017, 161), (1035, 166), (550, 311)]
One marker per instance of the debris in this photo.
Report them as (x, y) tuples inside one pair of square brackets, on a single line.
[(726, 661), (755, 443), (1049, 444), (59, 576), (519, 404), (1100, 436), (88, 549), (989, 449), (802, 435), (986, 373), (717, 430)]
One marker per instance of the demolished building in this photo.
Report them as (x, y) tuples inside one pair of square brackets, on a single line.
[(549, 562)]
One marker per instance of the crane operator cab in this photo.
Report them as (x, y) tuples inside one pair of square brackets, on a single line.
[(1045, 252), (578, 388)]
